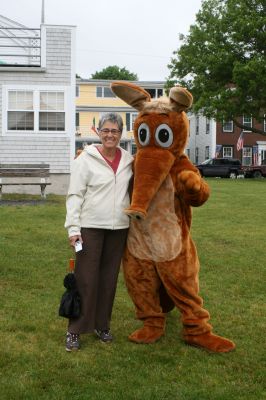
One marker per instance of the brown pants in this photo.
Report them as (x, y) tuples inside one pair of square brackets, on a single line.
[(97, 268)]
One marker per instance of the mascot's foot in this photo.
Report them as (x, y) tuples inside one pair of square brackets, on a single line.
[(147, 334), (210, 342)]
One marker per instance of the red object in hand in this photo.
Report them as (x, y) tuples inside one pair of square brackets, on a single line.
[(71, 264)]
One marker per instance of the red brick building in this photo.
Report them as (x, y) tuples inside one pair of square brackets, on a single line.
[(253, 149)]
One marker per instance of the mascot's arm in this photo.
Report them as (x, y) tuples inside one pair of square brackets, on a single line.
[(188, 183)]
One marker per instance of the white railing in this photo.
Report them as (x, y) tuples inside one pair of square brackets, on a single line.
[(20, 47)]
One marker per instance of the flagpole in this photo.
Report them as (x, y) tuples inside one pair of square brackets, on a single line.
[(43, 11)]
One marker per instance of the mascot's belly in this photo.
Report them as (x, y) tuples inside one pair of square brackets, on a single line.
[(158, 237)]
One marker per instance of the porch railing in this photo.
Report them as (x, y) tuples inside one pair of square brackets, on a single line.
[(20, 47)]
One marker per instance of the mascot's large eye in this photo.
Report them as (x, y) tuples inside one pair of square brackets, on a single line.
[(164, 135), (144, 134)]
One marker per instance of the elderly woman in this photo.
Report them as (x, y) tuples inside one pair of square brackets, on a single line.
[(97, 196)]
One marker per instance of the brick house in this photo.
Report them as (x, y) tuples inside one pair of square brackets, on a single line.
[(209, 139)]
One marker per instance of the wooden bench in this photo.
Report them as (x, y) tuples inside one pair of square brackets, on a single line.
[(25, 174)]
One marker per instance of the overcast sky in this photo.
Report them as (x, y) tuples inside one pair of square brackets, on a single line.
[(140, 35)]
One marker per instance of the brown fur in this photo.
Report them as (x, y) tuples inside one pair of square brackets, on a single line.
[(160, 251)]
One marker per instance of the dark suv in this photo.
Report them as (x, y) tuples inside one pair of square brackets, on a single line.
[(221, 167)]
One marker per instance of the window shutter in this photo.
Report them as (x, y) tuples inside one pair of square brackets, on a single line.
[(128, 121)]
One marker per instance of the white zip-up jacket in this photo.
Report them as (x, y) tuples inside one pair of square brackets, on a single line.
[(97, 196)]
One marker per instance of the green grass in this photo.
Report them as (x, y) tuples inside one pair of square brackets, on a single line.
[(230, 233)]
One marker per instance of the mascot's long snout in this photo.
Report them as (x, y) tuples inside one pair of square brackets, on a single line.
[(152, 165)]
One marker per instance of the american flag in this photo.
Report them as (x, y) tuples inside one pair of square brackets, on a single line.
[(255, 155), (93, 128), (240, 142)]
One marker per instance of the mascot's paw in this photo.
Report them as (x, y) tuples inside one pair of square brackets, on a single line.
[(190, 180), (210, 342), (147, 334)]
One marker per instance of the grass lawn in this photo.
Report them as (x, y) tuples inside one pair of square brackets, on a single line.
[(229, 231)]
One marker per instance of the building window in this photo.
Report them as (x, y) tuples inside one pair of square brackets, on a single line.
[(133, 117), (104, 91), (264, 123), (130, 120), (154, 93), (133, 148), (52, 115), (35, 110), (247, 156), (20, 114), (197, 125), (207, 152), (77, 120), (227, 151), (207, 126), (228, 126), (196, 155), (247, 121), (77, 90), (188, 153)]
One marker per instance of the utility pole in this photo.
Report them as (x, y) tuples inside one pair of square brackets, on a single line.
[(43, 12)]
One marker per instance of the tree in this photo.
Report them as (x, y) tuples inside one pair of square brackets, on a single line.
[(222, 60), (113, 72)]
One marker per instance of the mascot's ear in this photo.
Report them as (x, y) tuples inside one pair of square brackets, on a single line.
[(132, 94), (181, 99)]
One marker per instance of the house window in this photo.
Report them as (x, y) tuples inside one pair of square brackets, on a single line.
[(227, 151), (247, 121), (133, 148), (196, 155), (77, 90), (207, 152), (188, 153), (133, 117), (207, 126), (154, 93), (34, 110), (264, 123), (228, 126), (130, 120), (77, 120), (20, 114), (104, 91), (247, 156), (197, 125), (51, 115), (99, 91)]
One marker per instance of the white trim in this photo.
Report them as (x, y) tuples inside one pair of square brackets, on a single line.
[(226, 122), (68, 110), (243, 122), (226, 148), (71, 106), (43, 46), (23, 69)]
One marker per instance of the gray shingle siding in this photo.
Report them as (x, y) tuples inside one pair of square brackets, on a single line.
[(55, 149)]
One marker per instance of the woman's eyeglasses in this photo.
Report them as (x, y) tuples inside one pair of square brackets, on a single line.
[(112, 131)]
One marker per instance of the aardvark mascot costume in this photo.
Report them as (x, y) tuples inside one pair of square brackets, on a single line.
[(161, 264)]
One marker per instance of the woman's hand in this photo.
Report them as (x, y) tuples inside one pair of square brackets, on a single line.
[(73, 239)]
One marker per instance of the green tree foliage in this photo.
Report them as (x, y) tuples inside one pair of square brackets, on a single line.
[(222, 60), (113, 72)]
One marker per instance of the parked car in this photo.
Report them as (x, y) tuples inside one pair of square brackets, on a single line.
[(255, 171), (221, 167)]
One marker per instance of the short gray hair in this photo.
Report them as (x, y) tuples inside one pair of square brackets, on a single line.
[(112, 117)]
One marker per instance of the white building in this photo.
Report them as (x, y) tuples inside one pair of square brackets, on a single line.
[(202, 138), (37, 99)]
